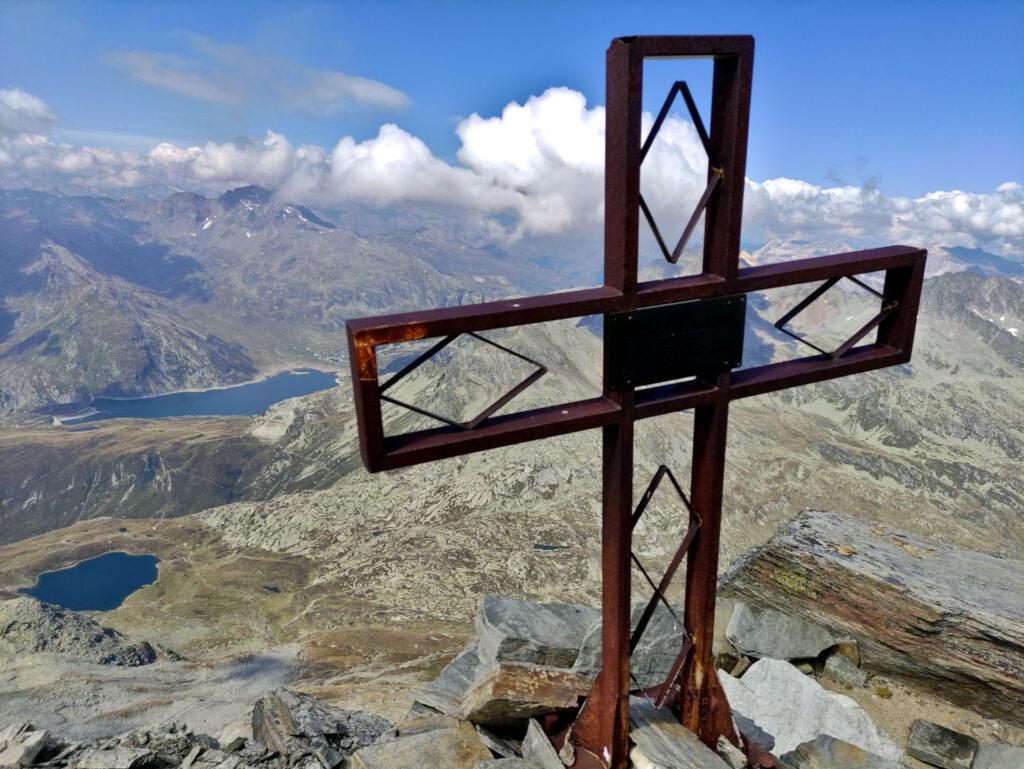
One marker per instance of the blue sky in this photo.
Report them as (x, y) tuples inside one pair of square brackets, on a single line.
[(918, 96)]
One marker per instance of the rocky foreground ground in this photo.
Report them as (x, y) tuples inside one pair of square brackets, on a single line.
[(529, 664), (834, 621)]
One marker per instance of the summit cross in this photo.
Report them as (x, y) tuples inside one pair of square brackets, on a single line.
[(669, 345)]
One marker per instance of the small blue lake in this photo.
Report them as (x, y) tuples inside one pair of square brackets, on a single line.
[(98, 584), (247, 399)]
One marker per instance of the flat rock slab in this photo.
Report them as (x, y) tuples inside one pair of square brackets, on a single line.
[(952, 619), (661, 742), (506, 763), (445, 692), (939, 746), (652, 659), (452, 748), (508, 693), (20, 745), (537, 748), (827, 752), (117, 758), (422, 725), (759, 632), (12, 731), (990, 756), (795, 709), (508, 630), (845, 672)]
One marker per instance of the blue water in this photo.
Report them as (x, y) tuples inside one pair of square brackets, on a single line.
[(98, 584), (247, 399)]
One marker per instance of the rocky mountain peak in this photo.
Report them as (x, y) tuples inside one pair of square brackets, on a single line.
[(783, 250), (251, 194), (187, 205)]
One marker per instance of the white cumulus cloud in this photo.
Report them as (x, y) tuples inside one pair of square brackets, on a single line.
[(21, 112), (535, 169)]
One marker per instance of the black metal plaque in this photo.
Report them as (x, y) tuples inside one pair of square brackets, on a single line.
[(675, 341)]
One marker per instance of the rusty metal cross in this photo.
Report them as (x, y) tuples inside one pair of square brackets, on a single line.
[(670, 345)]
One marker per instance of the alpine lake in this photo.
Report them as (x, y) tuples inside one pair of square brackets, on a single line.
[(96, 584), (241, 400), (102, 583)]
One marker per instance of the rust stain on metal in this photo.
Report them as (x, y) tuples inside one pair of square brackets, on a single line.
[(366, 362), (598, 737)]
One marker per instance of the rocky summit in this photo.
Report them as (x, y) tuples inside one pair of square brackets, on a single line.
[(481, 713), (529, 664)]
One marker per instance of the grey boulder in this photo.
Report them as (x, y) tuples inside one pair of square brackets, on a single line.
[(841, 669), (445, 692), (508, 630), (794, 709), (455, 746), (295, 724), (759, 632), (826, 752), (994, 756), (653, 657), (939, 746), (537, 748)]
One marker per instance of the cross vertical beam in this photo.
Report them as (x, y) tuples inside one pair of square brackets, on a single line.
[(612, 687), (623, 110), (730, 119), (703, 707), (702, 699), (624, 95)]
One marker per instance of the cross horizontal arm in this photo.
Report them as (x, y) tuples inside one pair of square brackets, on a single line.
[(423, 324), (768, 276), (507, 430), (903, 265)]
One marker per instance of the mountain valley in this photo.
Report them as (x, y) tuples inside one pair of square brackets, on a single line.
[(269, 531), (121, 298)]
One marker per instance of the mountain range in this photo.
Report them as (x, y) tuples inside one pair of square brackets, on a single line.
[(103, 297), (269, 530), (121, 298), (107, 297)]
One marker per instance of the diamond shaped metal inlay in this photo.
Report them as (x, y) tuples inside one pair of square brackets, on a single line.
[(715, 176), (662, 692), (887, 308), (475, 421)]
